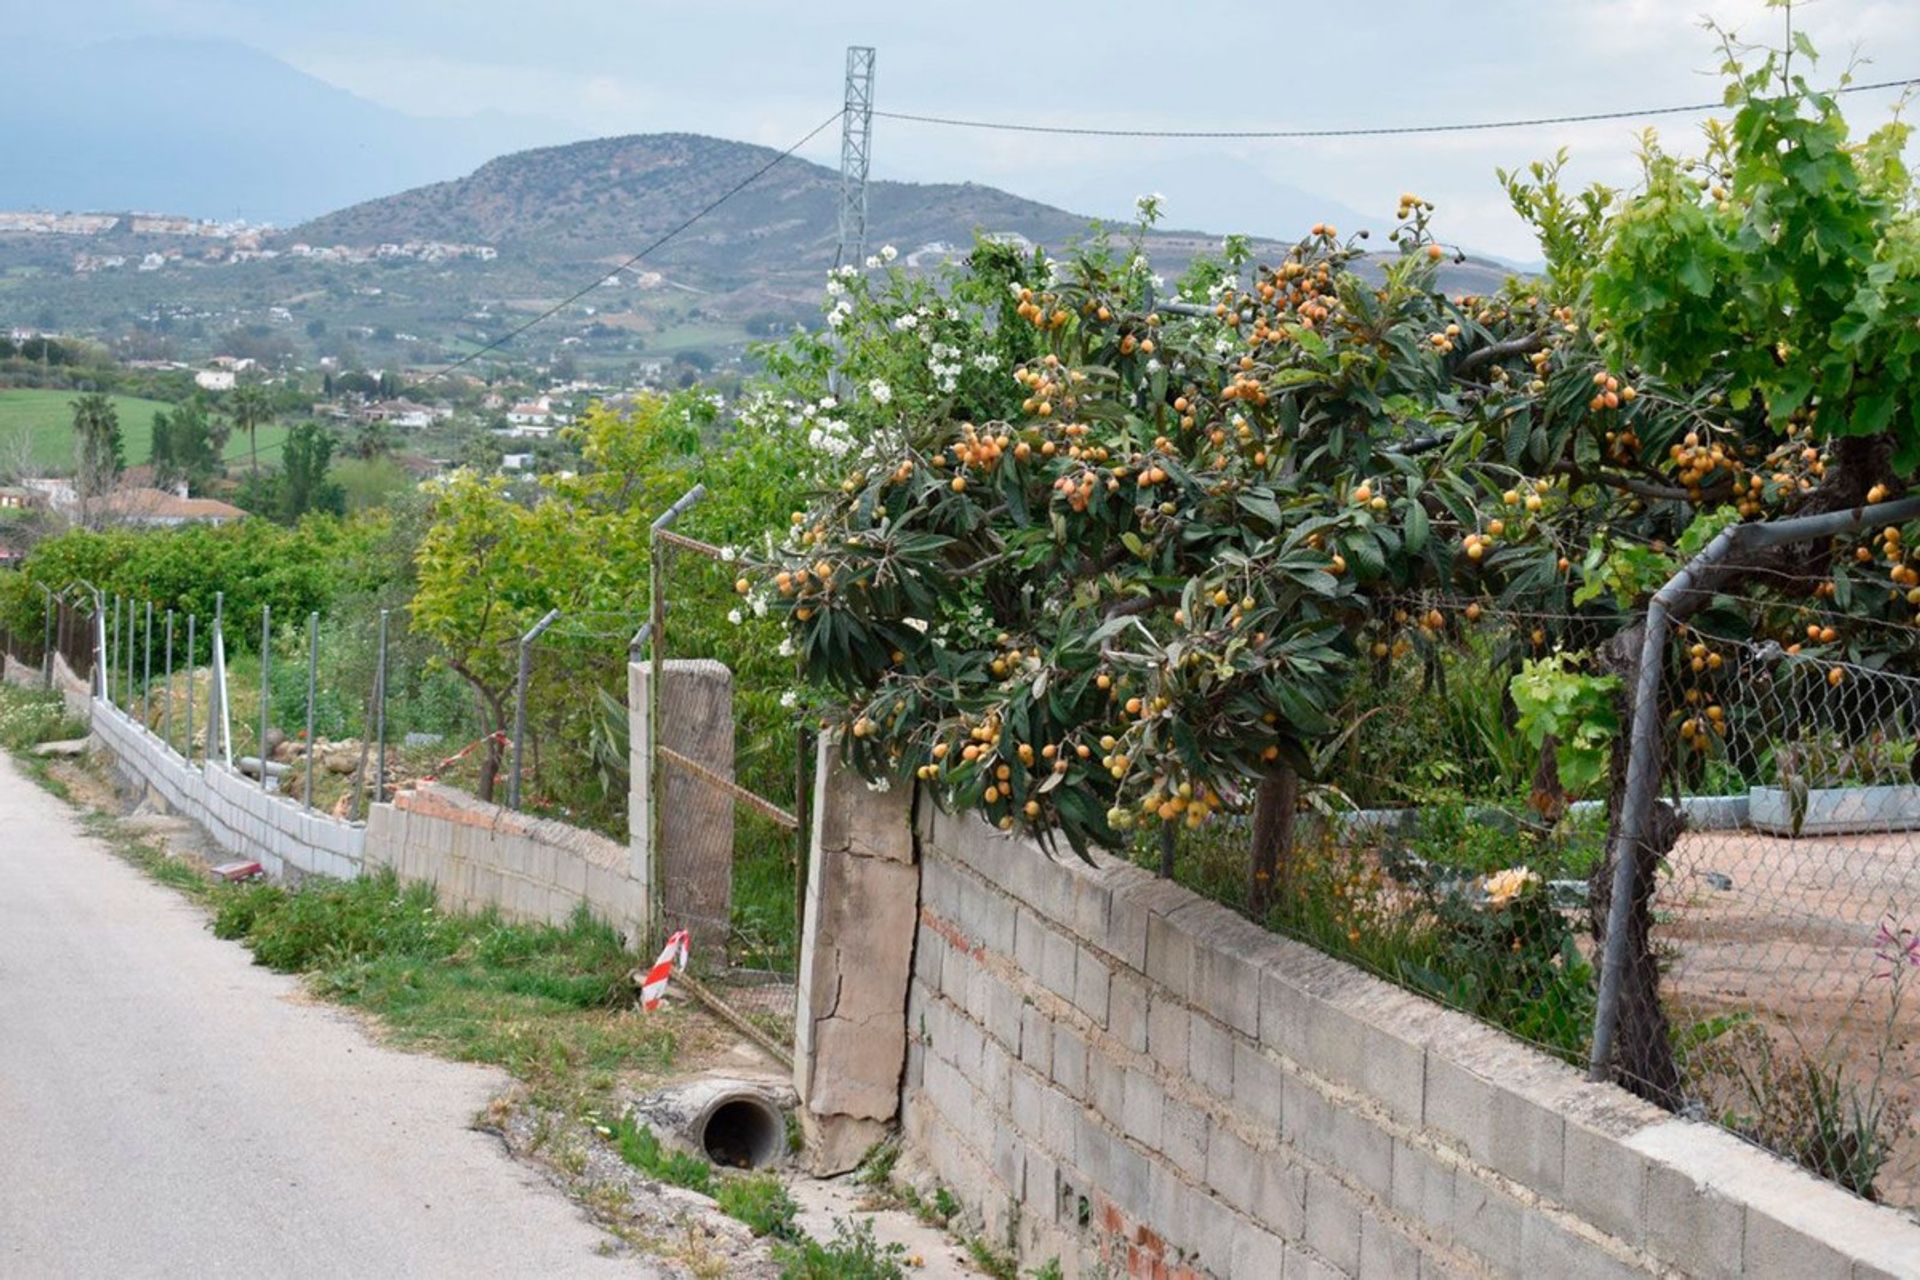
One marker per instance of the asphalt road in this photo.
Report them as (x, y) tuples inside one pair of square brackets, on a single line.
[(168, 1109)]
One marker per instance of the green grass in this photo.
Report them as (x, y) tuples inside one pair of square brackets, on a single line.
[(47, 417), (549, 1004), (640, 1147), (31, 716), (761, 1201), (852, 1254)]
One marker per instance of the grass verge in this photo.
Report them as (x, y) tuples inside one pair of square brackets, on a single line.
[(547, 1003)]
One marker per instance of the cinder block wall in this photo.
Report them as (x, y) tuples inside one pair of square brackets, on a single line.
[(267, 827), (475, 854), (483, 855), (1109, 1069)]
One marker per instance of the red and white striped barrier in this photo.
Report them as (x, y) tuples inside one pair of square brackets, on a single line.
[(673, 957)]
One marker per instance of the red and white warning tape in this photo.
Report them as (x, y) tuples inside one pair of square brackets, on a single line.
[(673, 957)]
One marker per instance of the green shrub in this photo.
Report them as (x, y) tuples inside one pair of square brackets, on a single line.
[(761, 1201), (30, 716), (640, 1147), (852, 1254)]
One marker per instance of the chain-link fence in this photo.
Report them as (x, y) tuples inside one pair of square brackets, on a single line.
[(1452, 835), (1784, 911), (728, 785)]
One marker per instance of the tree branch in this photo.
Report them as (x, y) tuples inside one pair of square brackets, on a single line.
[(1525, 345)]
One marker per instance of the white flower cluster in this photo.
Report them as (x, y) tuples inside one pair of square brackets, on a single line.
[(945, 366), (986, 362), (906, 322), (880, 391), (831, 437)]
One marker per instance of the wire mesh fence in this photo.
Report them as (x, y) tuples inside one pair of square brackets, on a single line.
[(1783, 922), (1453, 837), (729, 788)]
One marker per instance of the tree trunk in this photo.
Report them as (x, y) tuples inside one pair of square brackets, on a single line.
[(1643, 1059), (1270, 875)]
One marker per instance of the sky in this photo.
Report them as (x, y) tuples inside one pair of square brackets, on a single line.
[(768, 70)]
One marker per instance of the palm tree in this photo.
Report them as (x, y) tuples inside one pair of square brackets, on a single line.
[(98, 451), (248, 407)]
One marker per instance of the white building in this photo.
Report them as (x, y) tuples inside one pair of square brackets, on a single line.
[(214, 379)]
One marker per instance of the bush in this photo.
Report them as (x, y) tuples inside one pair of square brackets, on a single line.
[(852, 1254), (761, 1201), (31, 716), (640, 1147)]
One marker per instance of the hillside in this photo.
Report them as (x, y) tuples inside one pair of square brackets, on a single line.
[(466, 259), (604, 197)]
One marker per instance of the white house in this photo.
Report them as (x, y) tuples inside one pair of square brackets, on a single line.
[(530, 413), (214, 379)]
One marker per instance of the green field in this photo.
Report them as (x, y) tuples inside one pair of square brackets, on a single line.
[(47, 416)]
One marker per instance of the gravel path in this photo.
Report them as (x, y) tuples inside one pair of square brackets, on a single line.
[(169, 1109)]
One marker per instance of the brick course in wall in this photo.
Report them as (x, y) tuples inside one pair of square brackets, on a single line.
[(484, 855), (1106, 1068)]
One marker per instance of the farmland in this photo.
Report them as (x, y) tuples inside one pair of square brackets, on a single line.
[(47, 418)]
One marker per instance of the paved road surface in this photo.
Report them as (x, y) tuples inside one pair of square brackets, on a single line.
[(168, 1109)]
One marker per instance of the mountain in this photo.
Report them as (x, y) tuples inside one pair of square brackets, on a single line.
[(211, 129), (601, 200), (604, 198), (412, 278)]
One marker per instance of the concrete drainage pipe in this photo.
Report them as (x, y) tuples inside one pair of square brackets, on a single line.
[(733, 1123)]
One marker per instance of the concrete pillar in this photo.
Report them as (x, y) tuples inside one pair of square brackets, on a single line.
[(856, 957), (695, 859)]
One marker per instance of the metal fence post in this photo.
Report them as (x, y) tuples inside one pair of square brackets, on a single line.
[(219, 718), (112, 655), (380, 717), (313, 675), (126, 643), (166, 713), (266, 689), (520, 705), (46, 647), (187, 743), (146, 673), (1682, 594)]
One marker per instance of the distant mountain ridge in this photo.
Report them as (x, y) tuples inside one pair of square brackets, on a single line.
[(604, 197), (599, 200)]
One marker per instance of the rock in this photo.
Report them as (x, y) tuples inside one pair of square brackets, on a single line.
[(275, 739), (343, 757), (70, 747)]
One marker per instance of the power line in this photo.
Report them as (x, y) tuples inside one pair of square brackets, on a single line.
[(658, 241), (1362, 132)]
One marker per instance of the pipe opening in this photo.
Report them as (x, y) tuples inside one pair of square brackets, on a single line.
[(743, 1132)]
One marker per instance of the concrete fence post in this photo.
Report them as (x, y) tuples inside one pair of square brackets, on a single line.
[(856, 960), (693, 865)]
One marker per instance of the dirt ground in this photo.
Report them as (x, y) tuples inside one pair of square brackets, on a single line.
[(1785, 929)]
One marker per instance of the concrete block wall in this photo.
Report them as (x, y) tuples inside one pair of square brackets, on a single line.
[(477, 855), (480, 855), (272, 829), (1106, 1068)]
